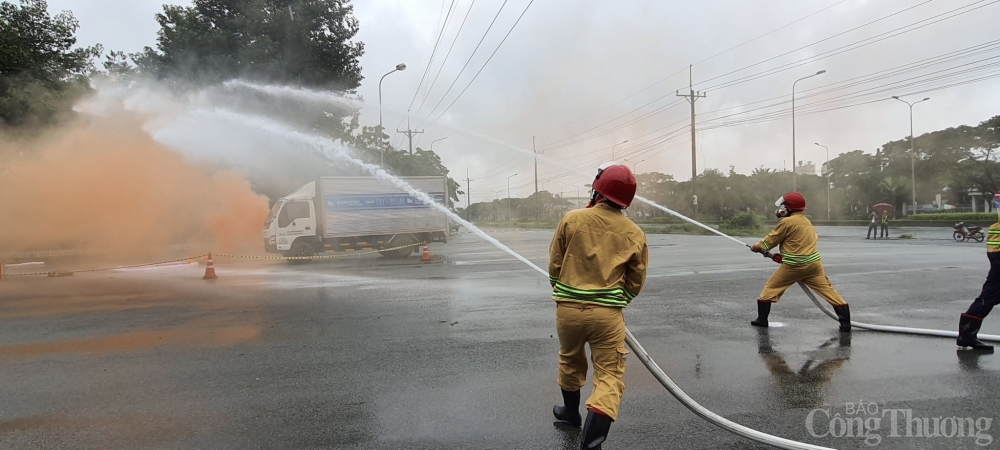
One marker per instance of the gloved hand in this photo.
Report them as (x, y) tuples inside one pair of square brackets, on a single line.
[(776, 258), (755, 248)]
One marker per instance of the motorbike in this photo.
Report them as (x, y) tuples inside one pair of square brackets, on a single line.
[(963, 233)]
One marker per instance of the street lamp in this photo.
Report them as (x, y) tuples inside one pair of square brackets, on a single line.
[(827, 179), (432, 142), (634, 163), (577, 190), (793, 123), (913, 174), (613, 148), (509, 216), (399, 68)]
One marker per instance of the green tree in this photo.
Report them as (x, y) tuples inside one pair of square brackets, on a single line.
[(41, 74), (300, 42)]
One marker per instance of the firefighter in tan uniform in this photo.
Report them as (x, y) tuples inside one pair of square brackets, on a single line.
[(970, 322), (800, 261), (597, 265)]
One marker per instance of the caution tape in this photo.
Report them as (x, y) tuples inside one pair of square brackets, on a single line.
[(344, 255), (57, 273)]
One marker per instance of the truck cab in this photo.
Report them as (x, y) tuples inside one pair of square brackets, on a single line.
[(293, 218)]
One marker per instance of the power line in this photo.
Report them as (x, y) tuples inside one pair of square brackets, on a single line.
[(433, 52), (817, 42), (846, 48), (682, 70), (460, 72), (770, 32), (886, 73), (664, 108), (453, 41), (484, 64)]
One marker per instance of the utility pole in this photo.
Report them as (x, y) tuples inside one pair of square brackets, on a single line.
[(468, 192), (692, 97), (409, 133), (536, 162)]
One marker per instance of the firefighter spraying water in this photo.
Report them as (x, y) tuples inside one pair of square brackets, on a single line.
[(800, 261), (597, 265)]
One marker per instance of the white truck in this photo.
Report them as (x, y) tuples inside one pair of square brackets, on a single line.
[(356, 213)]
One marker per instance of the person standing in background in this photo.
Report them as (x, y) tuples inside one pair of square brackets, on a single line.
[(872, 225)]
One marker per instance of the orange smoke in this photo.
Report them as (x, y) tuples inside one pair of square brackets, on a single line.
[(108, 186)]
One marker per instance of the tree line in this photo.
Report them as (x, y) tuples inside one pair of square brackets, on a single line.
[(952, 163), (302, 43)]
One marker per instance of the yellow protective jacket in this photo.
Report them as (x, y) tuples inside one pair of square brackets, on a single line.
[(797, 238), (597, 256), (993, 238)]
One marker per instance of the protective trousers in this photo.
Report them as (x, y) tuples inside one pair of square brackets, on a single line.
[(604, 329), (990, 295), (884, 230), (812, 274)]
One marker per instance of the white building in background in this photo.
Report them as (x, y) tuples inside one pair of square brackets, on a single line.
[(805, 169)]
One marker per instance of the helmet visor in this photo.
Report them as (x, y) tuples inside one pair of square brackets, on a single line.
[(780, 201)]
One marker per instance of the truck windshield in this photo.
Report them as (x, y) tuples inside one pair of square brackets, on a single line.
[(273, 214)]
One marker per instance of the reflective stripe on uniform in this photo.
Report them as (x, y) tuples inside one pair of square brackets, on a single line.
[(619, 297), (799, 260)]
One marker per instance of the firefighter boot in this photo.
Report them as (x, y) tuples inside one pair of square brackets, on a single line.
[(595, 431), (569, 413), (844, 317), (968, 328), (763, 310)]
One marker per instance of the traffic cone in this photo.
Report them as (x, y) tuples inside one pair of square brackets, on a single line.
[(426, 258), (210, 269)]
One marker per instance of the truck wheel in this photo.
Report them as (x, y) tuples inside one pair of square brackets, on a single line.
[(301, 249)]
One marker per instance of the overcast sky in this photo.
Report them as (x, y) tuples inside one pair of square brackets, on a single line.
[(561, 71)]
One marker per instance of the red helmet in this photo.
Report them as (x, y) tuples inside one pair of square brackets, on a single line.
[(794, 201), (616, 183)]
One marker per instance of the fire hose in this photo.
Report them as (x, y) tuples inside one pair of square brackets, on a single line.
[(884, 328)]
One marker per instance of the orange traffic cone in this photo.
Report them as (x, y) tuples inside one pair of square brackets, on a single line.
[(210, 269), (426, 258)]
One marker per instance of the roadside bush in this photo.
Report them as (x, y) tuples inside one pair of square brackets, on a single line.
[(955, 217), (744, 224)]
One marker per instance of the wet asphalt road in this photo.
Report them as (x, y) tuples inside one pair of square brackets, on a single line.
[(364, 353)]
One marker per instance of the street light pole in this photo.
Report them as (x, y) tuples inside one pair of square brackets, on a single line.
[(577, 190), (509, 216), (793, 124), (827, 179), (613, 148), (913, 172), (432, 142), (399, 67), (634, 163)]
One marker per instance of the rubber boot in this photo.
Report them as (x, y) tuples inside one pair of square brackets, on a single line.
[(763, 310), (569, 413), (595, 431), (844, 317), (968, 328)]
